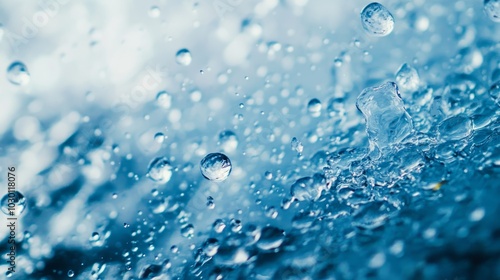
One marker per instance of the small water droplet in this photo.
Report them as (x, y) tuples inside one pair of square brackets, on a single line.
[(314, 108), (160, 170), (183, 57), (71, 273), (159, 137), (163, 99), (13, 203), (228, 141), (17, 74)]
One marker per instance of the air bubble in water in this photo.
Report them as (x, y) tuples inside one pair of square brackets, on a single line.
[(377, 20), (18, 74), (228, 141), (492, 9), (407, 78), (160, 170), (314, 107), (183, 57), (215, 167), (163, 99), (13, 203), (387, 121)]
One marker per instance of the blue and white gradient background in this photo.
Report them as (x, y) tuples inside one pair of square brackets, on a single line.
[(81, 136)]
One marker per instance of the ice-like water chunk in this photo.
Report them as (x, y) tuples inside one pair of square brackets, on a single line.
[(387, 121), (377, 20), (407, 78), (455, 128)]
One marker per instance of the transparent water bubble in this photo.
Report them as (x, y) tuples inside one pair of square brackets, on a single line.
[(17, 73), (215, 167), (230, 255), (271, 238), (183, 57), (228, 141), (387, 121), (492, 9), (407, 78), (219, 226), (160, 170), (377, 20), (13, 203), (455, 128), (164, 99), (314, 108)]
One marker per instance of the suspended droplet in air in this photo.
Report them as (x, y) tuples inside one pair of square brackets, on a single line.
[(160, 170), (183, 57), (377, 20), (18, 74), (215, 167)]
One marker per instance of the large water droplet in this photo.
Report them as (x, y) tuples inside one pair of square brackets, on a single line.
[(160, 170), (13, 203), (407, 78), (377, 20), (18, 74), (215, 167), (387, 121), (492, 9), (183, 57)]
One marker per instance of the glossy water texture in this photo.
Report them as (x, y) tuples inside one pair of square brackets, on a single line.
[(258, 140)]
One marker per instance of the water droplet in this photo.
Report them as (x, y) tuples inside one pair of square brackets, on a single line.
[(95, 236), (210, 247), (314, 108), (231, 255), (163, 99), (407, 78), (271, 238), (154, 12), (71, 273), (188, 231), (210, 202), (160, 170), (387, 121), (297, 145), (215, 167), (13, 203), (159, 137), (183, 57), (228, 141), (492, 9), (219, 226), (377, 20), (18, 74)]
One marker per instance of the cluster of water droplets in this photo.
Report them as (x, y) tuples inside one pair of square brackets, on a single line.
[(375, 168)]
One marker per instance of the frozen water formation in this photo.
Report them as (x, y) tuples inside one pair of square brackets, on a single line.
[(387, 121), (377, 20), (215, 167)]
